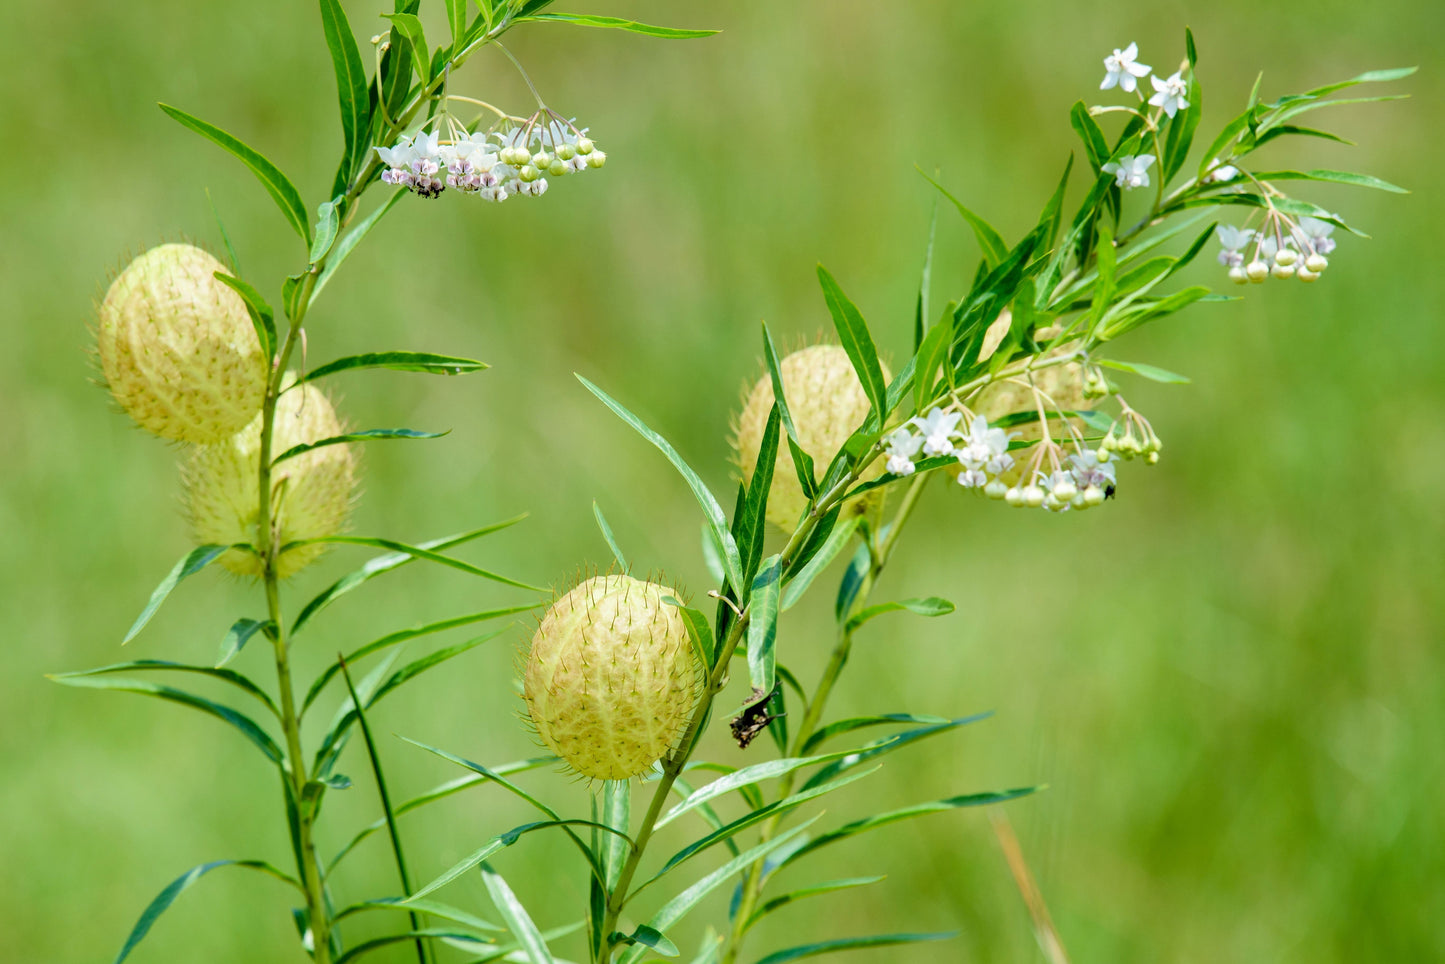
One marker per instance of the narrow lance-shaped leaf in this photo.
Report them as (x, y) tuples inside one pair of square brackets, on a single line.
[(989, 241), (411, 27), (1335, 177), (1147, 371), (328, 220), (369, 435), (840, 727), (852, 944), (348, 243), (238, 635), (704, 496), (857, 342), (263, 319), (802, 461), (282, 191), (194, 561), (827, 887), (617, 814), (517, 917), (750, 520), (400, 361), (168, 896), (763, 627), (631, 26), (236, 679), (457, 20), (607, 535), (921, 312), (652, 938), (350, 83), (461, 939), (768, 770), (414, 551), (887, 745), (837, 540), (931, 606)]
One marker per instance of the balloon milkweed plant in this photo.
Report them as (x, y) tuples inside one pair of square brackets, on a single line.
[(1009, 395)]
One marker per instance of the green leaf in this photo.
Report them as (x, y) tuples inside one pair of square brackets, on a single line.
[(491, 847), (802, 461), (905, 813), (931, 356), (440, 792), (698, 629), (837, 540), (860, 722), (990, 242), (351, 85), (347, 244), (632, 26), (431, 907), (469, 941), (231, 258), (291, 290), (236, 679), (193, 562), (400, 361), (1285, 130), (282, 191), (931, 606), (238, 635), (411, 27), (853, 333), (827, 887), (383, 564), (852, 581), (617, 814), (327, 223), (763, 626), (649, 937), (705, 498), (852, 944), (1096, 148), (369, 435), (1335, 177), (417, 552), (749, 526), (517, 917), (712, 556), (1181, 130), (675, 909), (249, 728), (885, 746), (767, 770), (1147, 371), (1368, 77), (168, 896), (607, 534), (263, 319), (457, 20), (925, 282)]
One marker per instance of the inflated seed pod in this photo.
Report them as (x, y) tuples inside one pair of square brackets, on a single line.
[(827, 403), (178, 349), (314, 491), (612, 677)]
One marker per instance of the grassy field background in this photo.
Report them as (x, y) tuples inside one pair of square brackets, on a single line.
[(1231, 679)]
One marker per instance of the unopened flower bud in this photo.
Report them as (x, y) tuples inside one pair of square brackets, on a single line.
[(1014, 496), (1306, 275), (566, 151), (596, 159), (1238, 275), (1093, 495), (178, 349), (1283, 271), (1257, 271), (827, 403), (585, 145), (1285, 256), (557, 168), (1064, 491), (1317, 263), (612, 678), (312, 491), (1152, 458), (528, 173), (1033, 496), (996, 489), (542, 160), (1104, 455)]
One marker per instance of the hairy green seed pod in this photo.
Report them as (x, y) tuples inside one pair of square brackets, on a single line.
[(313, 491), (612, 677), (178, 349), (828, 405)]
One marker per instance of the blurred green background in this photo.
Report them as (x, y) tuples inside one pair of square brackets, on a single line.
[(1229, 678)]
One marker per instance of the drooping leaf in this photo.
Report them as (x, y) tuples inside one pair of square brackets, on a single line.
[(236, 679), (193, 562), (368, 435), (239, 634), (631, 26), (387, 563), (282, 191), (840, 727), (857, 342), (416, 552), (168, 896), (491, 847), (930, 606), (872, 751), (827, 887), (401, 361), (710, 507), (852, 944), (263, 319)]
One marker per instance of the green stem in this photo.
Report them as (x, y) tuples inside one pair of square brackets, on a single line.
[(879, 555), (673, 764)]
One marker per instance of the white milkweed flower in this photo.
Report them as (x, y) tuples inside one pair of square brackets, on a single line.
[(972, 479), (903, 445), (1169, 94), (1220, 173), (1233, 241), (1123, 69), (1130, 171), (413, 163), (1088, 470), (1318, 232), (938, 428), (985, 448)]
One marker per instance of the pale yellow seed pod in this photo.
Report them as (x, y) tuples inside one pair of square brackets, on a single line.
[(828, 405), (178, 349), (314, 491), (612, 678)]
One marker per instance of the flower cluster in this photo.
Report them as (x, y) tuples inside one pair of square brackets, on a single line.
[(1123, 70), (982, 452), (493, 165), (1281, 247)]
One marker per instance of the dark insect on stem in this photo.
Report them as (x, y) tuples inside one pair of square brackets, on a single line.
[(754, 718)]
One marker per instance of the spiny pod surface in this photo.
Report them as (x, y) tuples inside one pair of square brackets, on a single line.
[(313, 490), (612, 677), (827, 403), (178, 349)]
